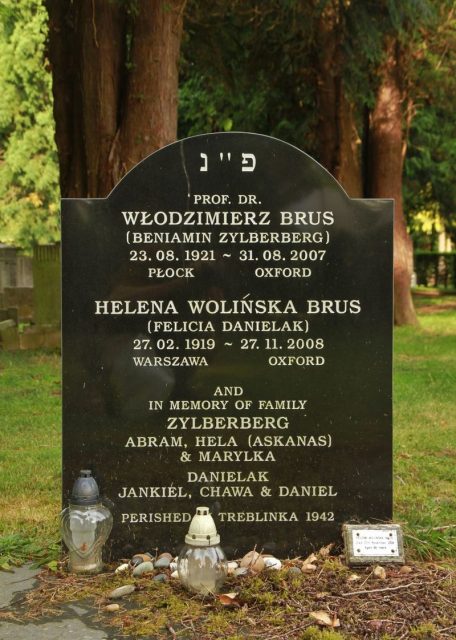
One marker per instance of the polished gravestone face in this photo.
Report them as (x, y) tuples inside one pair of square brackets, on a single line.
[(227, 342)]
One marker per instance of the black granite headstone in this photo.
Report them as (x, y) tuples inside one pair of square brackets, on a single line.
[(227, 318)]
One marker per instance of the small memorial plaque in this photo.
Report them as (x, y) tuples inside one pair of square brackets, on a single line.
[(367, 544)]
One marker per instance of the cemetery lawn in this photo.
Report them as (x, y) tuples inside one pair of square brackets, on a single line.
[(30, 455), (425, 429), (424, 442)]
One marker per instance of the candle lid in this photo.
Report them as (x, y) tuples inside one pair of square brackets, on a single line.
[(202, 531), (85, 490)]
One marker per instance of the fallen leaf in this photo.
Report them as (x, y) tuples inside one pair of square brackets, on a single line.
[(379, 572), (325, 551), (405, 569), (322, 617), (228, 599), (310, 559), (353, 577), (325, 619)]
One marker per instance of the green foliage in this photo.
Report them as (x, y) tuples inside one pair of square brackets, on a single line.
[(432, 160), (364, 27), (425, 631), (430, 168), (251, 66), (245, 67), (315, 633), (15, 549), (28, 160)]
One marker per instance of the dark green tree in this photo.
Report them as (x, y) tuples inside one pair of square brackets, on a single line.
[(334, 77), (430, 166)]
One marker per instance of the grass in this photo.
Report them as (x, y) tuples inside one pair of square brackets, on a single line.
[(30, 460), (424, 441), (425, 428)]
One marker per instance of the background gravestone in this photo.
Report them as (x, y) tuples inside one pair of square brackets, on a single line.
[(47, 294), (227, 317)]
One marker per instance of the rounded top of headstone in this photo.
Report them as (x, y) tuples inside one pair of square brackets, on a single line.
[(224, 158), (85, 490)]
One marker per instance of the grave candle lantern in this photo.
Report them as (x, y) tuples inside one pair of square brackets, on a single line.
[(202, 565), (85, 525)]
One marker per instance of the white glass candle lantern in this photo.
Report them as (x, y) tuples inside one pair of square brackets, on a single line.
[(85, 525), (202, 565)]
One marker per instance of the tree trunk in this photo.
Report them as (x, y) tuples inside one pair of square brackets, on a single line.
[(151, 106), (339, 143), (386, 158), (113, 104)]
